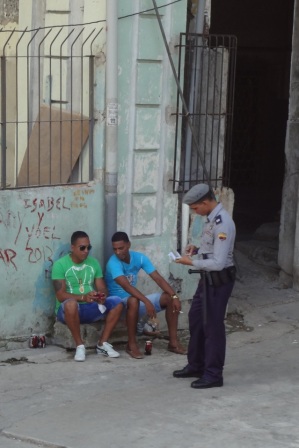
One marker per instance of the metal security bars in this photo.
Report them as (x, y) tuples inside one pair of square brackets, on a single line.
[(207, 65), (47, 105)]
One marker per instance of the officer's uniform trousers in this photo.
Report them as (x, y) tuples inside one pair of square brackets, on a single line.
[(206, 350)]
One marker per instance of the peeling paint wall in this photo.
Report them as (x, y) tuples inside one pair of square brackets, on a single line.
[(147, 208), (36, 223), (35, 228), (9, 11)]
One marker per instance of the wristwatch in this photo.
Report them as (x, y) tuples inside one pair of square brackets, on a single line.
[(174, 296)]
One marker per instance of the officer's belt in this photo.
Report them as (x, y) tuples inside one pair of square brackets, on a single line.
[(219, 278)]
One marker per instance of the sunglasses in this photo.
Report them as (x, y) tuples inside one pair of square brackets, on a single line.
[(82, 248)]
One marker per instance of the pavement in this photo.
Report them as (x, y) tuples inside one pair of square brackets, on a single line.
[(48, 400)]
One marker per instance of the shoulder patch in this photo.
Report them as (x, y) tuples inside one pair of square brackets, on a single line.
[(218, 219), (222, 236)]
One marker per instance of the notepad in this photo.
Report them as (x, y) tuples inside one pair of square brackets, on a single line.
[(174, 255)]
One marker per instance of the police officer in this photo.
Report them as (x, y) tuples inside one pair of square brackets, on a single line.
[(206, 351)]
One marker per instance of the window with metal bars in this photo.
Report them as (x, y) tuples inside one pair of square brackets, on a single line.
[(203, 135), (47, 106)]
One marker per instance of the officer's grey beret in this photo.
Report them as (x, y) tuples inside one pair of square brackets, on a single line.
[(196, 193)]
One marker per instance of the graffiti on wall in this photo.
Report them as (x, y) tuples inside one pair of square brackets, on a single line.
[(33, 230)]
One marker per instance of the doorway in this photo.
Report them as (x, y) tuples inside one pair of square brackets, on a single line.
[(264, 35)]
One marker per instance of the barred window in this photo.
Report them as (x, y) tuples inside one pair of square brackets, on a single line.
[(47, 106)]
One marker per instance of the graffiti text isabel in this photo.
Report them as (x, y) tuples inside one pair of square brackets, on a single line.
[(46, 204)]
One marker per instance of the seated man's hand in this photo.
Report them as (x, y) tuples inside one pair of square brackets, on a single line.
[(99, 297), (94, 296), (176, 305), (150, 309)]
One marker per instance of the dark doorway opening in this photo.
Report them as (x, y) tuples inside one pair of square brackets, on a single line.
[(264, 34)]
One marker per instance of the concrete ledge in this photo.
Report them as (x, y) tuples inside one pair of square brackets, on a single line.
[(90, 334)]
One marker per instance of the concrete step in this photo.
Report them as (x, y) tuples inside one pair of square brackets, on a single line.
[(90, 334)]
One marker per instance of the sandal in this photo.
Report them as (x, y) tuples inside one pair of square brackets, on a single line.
[(179, 349), (134, 353)]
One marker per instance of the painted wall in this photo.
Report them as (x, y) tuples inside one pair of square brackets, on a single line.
[(147, 208), (35, 228), (9, 11), (36, 223)]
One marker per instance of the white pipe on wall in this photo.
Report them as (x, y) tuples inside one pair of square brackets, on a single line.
[(185, 227), (199, 23), (111, 125)]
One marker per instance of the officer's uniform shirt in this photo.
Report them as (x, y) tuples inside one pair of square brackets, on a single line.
[(217, 241)]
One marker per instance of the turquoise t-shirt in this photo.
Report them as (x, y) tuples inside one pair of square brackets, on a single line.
[(79, 278), (115, 268)]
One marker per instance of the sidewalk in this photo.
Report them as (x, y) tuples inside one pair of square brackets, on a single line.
[(48, 400)]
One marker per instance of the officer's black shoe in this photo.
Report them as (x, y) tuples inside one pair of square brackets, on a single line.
[(205, 384), (186, 372)]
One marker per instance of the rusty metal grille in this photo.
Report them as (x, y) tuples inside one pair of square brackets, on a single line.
[(207, 65), (47, 106)]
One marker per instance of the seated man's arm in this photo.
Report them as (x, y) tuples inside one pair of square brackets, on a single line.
[(165, 286), (62, 294), (100, 286), (134, 292)]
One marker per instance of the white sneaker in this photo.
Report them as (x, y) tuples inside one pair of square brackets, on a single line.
[(107, 350), (80, 353)]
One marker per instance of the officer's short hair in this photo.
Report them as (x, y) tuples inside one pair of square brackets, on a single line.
[(198, 193)]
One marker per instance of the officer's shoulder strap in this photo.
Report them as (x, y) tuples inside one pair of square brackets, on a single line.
[(218, 219)]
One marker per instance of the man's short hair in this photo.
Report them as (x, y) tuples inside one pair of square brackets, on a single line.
[(120, 236), (78, 234)]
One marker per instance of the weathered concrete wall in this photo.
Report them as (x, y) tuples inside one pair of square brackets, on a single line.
[(35, 229), (36, 223), (288, 256), (147, 208), (9, 22), (9, 11)]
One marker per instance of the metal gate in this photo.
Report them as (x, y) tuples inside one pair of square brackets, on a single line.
[(207, 65), (47, 105)]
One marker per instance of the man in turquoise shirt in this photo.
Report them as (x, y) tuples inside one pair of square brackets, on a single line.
[(121, 277)]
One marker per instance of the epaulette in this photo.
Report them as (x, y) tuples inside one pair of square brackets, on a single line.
[(218, 219)]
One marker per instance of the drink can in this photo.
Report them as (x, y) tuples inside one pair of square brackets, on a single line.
[(42, 341), (148, 347), (33, 341)]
